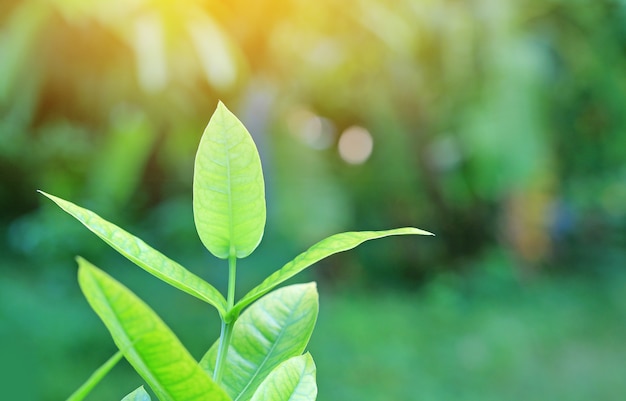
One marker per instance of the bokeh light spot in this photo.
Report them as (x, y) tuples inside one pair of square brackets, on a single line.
[(315, 131), (355, 145)]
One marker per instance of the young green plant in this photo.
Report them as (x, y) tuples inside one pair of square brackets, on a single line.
[(260, 353)]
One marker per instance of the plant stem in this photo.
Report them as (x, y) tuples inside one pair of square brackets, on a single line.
[(227, 327), (232, 276), (95, 377), (225, 336)]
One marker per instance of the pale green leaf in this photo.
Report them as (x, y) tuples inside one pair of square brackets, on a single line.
[(139, 394), (144, 256), (329, 246), (293, 380), (147, 343), (228, 188), (275, 328), (95, 378)]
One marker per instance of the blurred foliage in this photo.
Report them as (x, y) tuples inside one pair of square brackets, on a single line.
[(492, 122), (496, 124)]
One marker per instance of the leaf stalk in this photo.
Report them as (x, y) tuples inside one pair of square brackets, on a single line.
[(227, 326)]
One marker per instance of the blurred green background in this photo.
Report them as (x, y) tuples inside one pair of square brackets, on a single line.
[(499, 125)]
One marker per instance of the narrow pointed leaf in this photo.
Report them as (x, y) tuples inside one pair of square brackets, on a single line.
[(139, 394), (326, 247), (228, 188), (95, 378), (293, 380), (144, 256), (147, 343), (275, 328)]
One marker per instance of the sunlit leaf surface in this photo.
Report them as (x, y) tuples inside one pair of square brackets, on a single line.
[(139, 394), (329, 246), (147, 343), (144, 256), (293, 380), (275, 328), (228, 188)]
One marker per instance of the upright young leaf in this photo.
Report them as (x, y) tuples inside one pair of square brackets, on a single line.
[(275, 328), (144, 256), (139, 394), (146, 342), (228, 188), (326, 247), (293, 380)]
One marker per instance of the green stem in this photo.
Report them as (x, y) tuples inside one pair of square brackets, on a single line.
[(95, 377), (232, 276), (225, 336), (227, 327)]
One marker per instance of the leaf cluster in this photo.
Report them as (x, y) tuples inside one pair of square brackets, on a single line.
[(260, 354)]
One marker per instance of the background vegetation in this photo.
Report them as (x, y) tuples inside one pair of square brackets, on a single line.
[(499, 125)]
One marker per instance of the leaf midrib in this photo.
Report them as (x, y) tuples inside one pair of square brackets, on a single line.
[(231, 225), (129, 345), (267, 357)]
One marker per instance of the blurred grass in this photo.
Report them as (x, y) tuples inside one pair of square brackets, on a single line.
[(483, 336)]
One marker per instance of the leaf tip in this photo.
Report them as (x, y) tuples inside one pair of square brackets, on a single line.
[(47, 195), (422, 232), (221, 107), (84, 265), (82, 262), (222, 110), (53, 198)]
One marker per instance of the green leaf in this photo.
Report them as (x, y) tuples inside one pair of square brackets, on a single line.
[(95, 378), (293, 380), (146, 342), (326, 247), (144, 256), (139, 394), (275, 328), (228, 188)]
